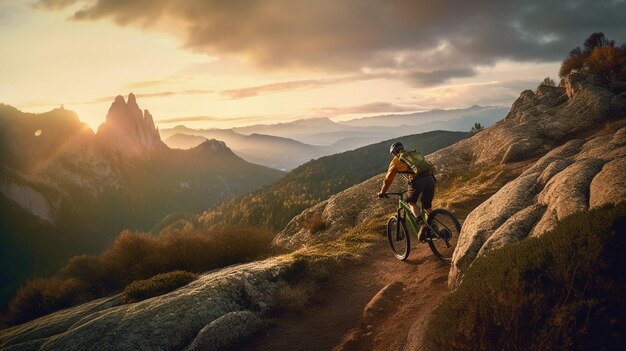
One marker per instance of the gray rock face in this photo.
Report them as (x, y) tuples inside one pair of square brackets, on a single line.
[(579, 175), (226, 331), (224, 301)]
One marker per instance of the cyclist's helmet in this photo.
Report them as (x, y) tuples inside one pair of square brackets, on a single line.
[(396, 147)]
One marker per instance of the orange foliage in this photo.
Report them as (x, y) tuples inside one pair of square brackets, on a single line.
[(608, 62)]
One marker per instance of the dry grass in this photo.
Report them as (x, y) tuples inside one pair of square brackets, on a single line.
[(293, 298), (461, 193), (316, 223)]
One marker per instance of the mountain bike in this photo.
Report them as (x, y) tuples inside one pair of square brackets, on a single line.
[(440, 230)]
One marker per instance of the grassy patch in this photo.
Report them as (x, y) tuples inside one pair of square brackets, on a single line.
[(293, 298), (157, 285), (314, 264), (563, 291), (316, 223), (461, 193)]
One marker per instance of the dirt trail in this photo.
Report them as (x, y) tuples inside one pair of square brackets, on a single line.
[(337, 320)]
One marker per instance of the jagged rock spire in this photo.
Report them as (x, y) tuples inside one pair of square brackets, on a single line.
[(128, 129)]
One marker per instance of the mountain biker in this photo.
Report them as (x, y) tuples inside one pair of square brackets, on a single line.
[(419, 184)]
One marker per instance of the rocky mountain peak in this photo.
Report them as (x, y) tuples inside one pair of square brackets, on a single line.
[(213, 146), (128, 129)]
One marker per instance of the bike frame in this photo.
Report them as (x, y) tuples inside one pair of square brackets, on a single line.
[(404, 211)]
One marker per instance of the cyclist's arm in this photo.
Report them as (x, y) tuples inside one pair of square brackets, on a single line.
[(391, 174)]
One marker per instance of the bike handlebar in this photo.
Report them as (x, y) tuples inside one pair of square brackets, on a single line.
[(386, 195)]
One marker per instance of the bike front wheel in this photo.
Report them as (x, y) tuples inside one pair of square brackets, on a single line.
[(399, 239), (444, 235)]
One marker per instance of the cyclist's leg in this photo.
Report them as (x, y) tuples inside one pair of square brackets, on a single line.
[(414, 209), (428, 193), (411, 198)]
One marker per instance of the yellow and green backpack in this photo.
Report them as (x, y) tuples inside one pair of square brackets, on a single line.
[(416, 162)]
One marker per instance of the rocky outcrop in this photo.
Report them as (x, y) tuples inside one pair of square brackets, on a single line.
[(214, 312), (341, 212), (31, 200), (128, 129), (226, 331), (580, 175), (538, 122)]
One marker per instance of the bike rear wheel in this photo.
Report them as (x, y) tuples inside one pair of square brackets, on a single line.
[(399, 239), (444, 235)]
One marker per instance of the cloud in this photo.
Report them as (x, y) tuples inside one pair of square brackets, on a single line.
[(206, 119), (188, 119), (56, 4), (148, 95), (441, 40), (294, 85), (375, 107), (421, 79), (149, 83), (494, 93)]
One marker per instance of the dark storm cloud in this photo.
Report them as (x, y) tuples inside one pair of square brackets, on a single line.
[(422, 79), (435, 38)]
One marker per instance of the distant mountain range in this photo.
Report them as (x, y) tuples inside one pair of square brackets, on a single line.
[(288, 145), (65, 190), (275, 205)]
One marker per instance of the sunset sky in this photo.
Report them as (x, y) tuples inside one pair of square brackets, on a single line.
[(231, 63)]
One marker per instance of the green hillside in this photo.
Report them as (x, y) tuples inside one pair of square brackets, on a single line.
[(274, 206)]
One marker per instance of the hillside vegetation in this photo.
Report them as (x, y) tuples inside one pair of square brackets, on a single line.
[(565, 290), (135, 257), (274, 206)]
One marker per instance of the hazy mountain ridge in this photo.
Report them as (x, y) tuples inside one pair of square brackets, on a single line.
[(71, 191), (294, 143), (271, 151)]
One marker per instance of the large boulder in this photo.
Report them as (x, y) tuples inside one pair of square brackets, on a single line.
[(226, 331), (223, 301), (340, 213), (579, 175)]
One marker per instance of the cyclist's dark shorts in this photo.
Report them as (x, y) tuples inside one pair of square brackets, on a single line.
[(422, 184)]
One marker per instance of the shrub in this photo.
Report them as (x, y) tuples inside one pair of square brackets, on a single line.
[(316, 223), (42, 296), (477, 127), (157, 285), (547, 81), (574, 60), (563, 291), (602, 57), (609, 63)]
